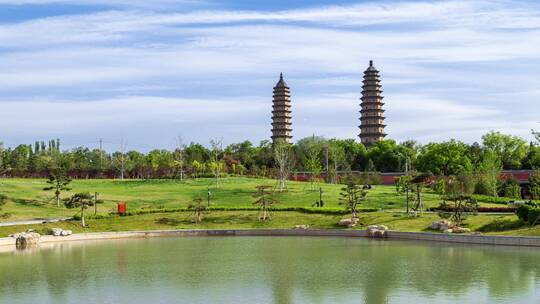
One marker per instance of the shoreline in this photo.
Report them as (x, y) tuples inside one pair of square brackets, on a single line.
[(418, 236)]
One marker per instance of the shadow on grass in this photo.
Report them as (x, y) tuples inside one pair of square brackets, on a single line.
[(502, 225), (29, 202)]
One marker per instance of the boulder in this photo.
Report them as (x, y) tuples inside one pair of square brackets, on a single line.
[(349, 222), (301, 226), (25, 240), (66, 232), (460, 230), (448, 231), (377, 231), (441, 225), (56, 231)]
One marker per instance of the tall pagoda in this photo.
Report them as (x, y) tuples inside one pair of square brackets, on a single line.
[(281, 112), (372, 112)]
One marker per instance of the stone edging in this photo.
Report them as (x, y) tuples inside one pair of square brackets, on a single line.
[(423, 236)]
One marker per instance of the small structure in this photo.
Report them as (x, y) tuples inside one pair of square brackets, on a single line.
[(281, 112), (372, 112)]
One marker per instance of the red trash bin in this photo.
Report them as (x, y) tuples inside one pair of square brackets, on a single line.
[(122, 208)]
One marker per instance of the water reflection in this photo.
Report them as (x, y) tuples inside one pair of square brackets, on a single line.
[(268, 270)]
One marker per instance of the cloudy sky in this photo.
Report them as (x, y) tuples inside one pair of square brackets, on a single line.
[(146, 71)]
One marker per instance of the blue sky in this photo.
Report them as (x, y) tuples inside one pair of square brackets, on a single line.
[(145, 72)]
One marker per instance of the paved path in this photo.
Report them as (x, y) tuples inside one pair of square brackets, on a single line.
[(35, 221)]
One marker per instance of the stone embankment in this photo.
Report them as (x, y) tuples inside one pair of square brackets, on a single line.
[(422, 236)]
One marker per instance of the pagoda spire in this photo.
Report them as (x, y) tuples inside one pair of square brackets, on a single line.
[(372, 112), (281, 112)]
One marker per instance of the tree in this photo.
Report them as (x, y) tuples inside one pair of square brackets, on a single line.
[(312, 162), (447, 158), (458, 192), (180, 156), (264, 197), (351, 196), (404, 185), (511, 149), (198, 209), (336, 154), (490, 170), (283, 158), (80, 200), (58, 181), (419, 181), (534, 184), (217, 149), (120, 159)]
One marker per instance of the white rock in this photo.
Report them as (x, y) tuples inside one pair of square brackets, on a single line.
[(66, 232), (56, 231)]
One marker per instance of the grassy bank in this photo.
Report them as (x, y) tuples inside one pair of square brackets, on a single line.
[(27, 199), (280, 219), (160, 204)]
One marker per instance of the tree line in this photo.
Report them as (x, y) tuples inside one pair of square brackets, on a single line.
[(314, 154)]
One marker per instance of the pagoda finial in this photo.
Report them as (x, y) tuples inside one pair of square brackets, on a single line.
[(281, 76), (371, 63)]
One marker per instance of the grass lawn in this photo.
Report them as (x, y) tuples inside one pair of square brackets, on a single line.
[(27, 200)]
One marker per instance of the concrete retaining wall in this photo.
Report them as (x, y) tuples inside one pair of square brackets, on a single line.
[(423, 236), (467, 238)]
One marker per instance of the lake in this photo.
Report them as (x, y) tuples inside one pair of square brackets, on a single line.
[(269, 270)]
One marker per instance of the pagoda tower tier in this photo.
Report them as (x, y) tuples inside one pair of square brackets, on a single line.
[(372, 112), (281, 112)]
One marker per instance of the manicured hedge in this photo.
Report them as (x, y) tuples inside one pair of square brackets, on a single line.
[(480, 209), (529, 214), (332, 211)]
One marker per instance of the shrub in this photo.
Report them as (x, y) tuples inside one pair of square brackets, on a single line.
[(511, 188), (483, 187), (501, 225), (522, 212), (534, 216), (439, 186)]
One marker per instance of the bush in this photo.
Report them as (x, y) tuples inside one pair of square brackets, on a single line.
[(511, 188), (501, 225), (534, 216), (439, 186), (522, 212), (483, 187)]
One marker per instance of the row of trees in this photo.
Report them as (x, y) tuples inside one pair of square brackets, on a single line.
[(313, 154)]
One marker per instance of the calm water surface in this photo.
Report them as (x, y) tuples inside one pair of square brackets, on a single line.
[(269, 270)]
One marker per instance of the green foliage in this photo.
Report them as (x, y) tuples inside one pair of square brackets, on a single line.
[(264, 197), (439, 186), (447, 158), (80, 200), (460, 201), (58, 181), (403, 183), (534, 184), (522, 212), (511, 150), (351, 196), (198, 209), (534, 216), (511, 188), (3, 199)]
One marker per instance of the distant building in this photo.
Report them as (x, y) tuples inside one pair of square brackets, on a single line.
[(372, 112), (281, 112)]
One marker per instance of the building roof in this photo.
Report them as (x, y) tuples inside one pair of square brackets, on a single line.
[(281, 83), (371, 67)]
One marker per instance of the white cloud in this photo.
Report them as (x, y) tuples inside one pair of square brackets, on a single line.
[(446, 67)]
